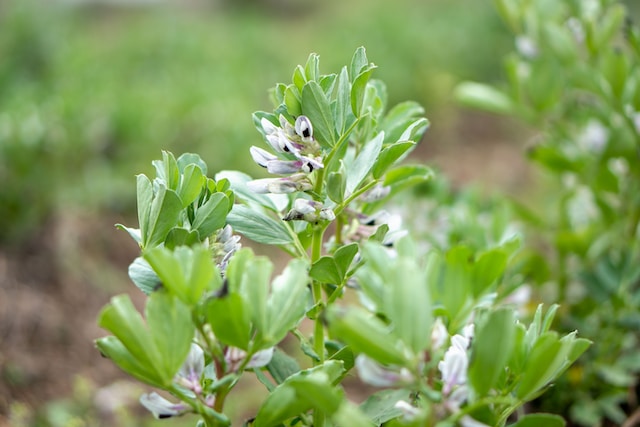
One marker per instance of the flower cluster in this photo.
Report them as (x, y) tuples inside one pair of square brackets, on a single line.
[(226, 244), (190, 376), (298, 154)]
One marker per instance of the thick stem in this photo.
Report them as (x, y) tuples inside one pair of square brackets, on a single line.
[(318, 330)]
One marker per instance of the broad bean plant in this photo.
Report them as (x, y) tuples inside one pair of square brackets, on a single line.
[(356, 296), (574, 77)]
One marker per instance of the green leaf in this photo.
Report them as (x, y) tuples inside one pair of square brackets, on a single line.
[(187, 272), (167, 170), (407, 303), (312, 67), (346, 356), (483, 97), (134, 233), (169, 322), (254, 287), (325, 270), (187, 159), (282, 366), (390, 155), (359, 88), (211, 216), (162, 214), (299, 393), (113, 348), (398, 119), (153, 352), (344, 257), (122, 319), (544, 361), (230, 320), (333, 269), (293, 100), (336, 185), (144, 192), (358, 62), (363, 163), (299, 79), (403, 176), (491, 349), (487, 268), (343, 114), (539, 420), (258, 227), (181, 237), (316, 107), (191, 184), (380, 406), (288, 300), (143, 276), (366, 334)]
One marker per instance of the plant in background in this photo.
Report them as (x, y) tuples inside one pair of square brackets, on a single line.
[(429, 331), (575, 77)]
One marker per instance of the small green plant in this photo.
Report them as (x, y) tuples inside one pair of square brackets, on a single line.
[(575, 78), (429, 330)]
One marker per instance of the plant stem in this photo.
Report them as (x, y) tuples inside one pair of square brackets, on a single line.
[(318, 330)]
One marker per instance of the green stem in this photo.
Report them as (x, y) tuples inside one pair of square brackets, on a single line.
[(318, 330), (211, 417), (338, 210)]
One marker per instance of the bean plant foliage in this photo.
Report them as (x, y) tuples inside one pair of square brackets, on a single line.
[(428, 331), (574, 77)]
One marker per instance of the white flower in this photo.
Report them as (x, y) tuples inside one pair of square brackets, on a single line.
[(619, 166), (453, 367), (439, 334), (576, 28), (161, 407), (582, 208), (310, 211), (520, 298), (467, 421), (409, 412), (375, 374), (378, 192), (593, 137), (189, 374), (526, 46), (304, 129), (235, 357), (297, 182), (226, 245)]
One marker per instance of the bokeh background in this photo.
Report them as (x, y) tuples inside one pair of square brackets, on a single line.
[(92, 91)]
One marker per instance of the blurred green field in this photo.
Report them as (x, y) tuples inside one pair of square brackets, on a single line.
[(90, 94)]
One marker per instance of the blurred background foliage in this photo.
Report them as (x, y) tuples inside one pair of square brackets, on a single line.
[(91, 91)]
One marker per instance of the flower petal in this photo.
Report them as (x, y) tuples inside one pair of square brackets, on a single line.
[(261, 157), (304, 129), (161, 407), (261, 358)]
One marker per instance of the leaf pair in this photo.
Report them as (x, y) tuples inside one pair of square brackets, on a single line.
[(153, 351), (255, 313)]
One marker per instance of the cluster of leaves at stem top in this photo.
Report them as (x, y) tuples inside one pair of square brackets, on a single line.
[(429, 331), (574, 77)]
